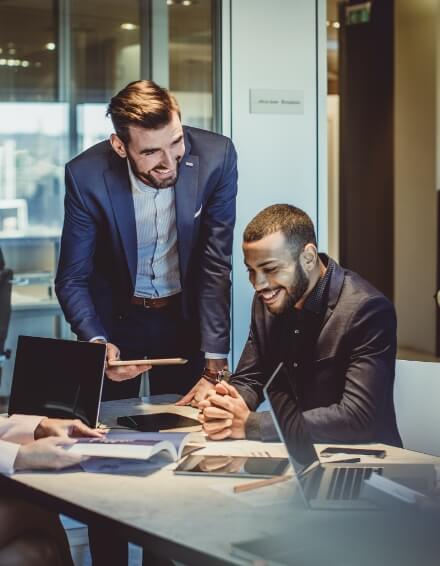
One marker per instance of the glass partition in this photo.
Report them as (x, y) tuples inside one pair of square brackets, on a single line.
[(60, 62), (191, 59)]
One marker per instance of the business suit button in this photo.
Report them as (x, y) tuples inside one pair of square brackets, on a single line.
[(295, 365), (296, 331)]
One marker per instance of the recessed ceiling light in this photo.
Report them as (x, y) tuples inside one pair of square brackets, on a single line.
[(336, 25), (186, 2), (170, 2), (51, 46), (128, 26)]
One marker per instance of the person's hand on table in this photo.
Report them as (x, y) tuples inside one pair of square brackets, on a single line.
[(224, 413), (199, 392), (121, 373), (64, 428), (202, 388), (47, 454)]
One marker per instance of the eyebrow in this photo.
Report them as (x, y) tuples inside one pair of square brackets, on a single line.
[(267, 262), (148, 149)]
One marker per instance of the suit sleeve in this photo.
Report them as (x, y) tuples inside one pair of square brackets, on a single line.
[(216, 251), (249, 379), (75, 266), (371, 340)]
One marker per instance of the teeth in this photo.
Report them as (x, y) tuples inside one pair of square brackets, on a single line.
[(270, 295)]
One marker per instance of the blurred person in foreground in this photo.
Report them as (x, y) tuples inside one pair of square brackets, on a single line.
[(31, 535)]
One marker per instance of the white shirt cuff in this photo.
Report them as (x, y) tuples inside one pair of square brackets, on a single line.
[(211, 356), (98, 338), (8, 454), (19, 428)]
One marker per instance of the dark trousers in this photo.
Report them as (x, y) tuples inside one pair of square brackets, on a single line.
[(156, 333), (107, 549)]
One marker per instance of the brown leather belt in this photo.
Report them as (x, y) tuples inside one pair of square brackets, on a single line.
[(159, 303)]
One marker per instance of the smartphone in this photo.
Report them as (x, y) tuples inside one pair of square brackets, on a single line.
[(378, 453), (233, 466), (152, 362)]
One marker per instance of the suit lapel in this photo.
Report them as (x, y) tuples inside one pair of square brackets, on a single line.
[(186, 200), (336, 282), (119, 191)]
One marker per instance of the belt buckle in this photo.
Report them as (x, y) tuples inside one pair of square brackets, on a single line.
[(146, 305)]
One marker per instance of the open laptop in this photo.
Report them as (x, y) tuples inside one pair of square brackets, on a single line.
[(334, 486), (58, 378)]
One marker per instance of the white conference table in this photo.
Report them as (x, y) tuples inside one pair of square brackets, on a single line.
[(194, 520)]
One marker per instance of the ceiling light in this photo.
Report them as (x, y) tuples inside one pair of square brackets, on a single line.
[(186, 2), (51, 46), (128, 26), (170, 2), (336, 25), (25, 63)]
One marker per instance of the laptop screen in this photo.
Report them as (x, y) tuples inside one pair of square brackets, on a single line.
[(288, 421), (58, 378)]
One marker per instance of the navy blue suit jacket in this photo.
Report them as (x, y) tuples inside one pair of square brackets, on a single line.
[(98, 260), (348, 396)]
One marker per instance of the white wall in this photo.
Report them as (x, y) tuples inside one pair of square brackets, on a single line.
[(272, 46), (415, 229)]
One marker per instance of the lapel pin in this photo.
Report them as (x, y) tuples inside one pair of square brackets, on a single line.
[(189, 164)]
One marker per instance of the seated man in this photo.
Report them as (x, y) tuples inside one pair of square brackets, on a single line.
[(30, 535), (335, 333)]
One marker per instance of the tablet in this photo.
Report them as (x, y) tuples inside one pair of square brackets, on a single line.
[(155, 422), (152, 362), (233, 466)]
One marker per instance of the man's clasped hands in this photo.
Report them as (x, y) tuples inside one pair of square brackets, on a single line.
[(223, 413)]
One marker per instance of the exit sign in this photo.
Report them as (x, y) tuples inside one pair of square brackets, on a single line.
[(358, 14)]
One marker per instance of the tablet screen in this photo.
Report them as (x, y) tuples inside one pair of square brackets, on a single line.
[(233, 466)]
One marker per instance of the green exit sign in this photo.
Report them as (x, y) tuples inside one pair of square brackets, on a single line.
[(358, 14)]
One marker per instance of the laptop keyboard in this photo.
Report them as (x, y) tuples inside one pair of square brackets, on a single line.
[(337, 483)]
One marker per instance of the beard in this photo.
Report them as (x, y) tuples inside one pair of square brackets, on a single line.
[(149, 179), (294, 293)]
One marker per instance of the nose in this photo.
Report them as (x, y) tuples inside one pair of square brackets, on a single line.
[(168, 161), (259, 281)]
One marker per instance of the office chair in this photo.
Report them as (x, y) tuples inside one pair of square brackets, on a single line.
[(417, 402), (5, 308)]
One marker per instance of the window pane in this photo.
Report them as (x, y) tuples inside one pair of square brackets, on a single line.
[(191, 59), (105, 47), (28, 55)]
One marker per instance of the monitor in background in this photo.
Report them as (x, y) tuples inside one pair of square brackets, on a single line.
[(58, 378)]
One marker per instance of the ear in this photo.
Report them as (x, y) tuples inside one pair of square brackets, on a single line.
[(309, 258), (118, 145)]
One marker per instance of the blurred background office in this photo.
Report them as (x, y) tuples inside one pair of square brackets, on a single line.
[(357, 145)]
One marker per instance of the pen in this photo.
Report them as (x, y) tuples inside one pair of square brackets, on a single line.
[(262, 483)]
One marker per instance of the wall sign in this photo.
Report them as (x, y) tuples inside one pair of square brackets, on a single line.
[(276, 101)]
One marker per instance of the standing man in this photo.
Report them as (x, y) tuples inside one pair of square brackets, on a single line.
[(146, 245), (335, 333)]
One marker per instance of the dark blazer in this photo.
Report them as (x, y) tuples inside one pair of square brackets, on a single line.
[(348, 397), (98, 261)]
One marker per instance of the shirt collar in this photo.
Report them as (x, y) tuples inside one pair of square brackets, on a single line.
[(316, 301)]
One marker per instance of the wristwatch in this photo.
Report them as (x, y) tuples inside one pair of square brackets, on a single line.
[(216, 376)]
